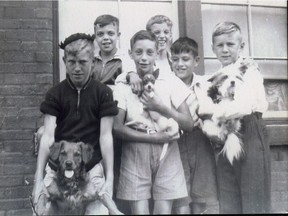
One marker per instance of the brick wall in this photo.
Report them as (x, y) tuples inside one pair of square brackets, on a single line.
[(25, 76)]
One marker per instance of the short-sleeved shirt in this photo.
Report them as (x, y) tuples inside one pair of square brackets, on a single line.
[(170, 88), (79, 112)]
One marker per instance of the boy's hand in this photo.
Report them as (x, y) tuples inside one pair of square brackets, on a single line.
[(106, 188), (151, 103), (135, 83)]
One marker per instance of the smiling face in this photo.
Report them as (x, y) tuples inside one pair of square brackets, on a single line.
[(163, 35), (144, 53), (79, 65), (227, 47), (183, 65), (106, 37)]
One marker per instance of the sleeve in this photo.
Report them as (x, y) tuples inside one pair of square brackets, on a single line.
[(127, 66), (119, 96), (180, 91), (108, 106), (51, 104)]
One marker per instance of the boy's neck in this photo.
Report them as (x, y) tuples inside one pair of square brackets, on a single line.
[(106, 56), (188, 82), (163, 55)]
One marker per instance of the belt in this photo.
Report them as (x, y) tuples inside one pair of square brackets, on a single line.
[(145, 130)]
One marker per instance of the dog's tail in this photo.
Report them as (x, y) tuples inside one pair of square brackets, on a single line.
[(232, 147)]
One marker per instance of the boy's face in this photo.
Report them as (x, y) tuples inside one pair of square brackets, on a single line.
[(144, 54), (227, 47), (183, 65), (163, 35), (79, 67), (106, 37)]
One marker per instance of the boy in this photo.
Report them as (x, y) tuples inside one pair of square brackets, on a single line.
[(161, 27), (79, 109), (195, 149), (244, 187), (108, 62), (143, 175)]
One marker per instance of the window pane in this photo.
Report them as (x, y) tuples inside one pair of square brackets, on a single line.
[(273, 69), (276, 95), (269, 31), (213, 14)]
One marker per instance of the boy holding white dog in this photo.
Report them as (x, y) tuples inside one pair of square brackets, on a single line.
[(79, 109), (244, 185), (143, 175)]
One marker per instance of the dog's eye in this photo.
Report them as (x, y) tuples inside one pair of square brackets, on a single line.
[(77, 154), (63, 153)]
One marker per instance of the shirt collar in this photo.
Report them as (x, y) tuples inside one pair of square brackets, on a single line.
[(117, 55), (71, 84)]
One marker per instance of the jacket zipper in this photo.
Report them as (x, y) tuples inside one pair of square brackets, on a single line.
[(78, 101)]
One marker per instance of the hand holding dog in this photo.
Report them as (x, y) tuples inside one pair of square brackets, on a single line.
[(151, 103)]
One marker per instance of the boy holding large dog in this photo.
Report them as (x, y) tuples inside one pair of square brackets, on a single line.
[(244, 185), (196, 151), (79, 109), (143, 175)]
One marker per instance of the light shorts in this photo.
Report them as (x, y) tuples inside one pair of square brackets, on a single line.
[(143, 176), (96, 176)]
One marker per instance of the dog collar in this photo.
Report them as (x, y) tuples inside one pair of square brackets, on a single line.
[(52, 164)]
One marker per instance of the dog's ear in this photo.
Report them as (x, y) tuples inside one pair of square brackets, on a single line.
[(156, 73), (55, 150), (87, 152)]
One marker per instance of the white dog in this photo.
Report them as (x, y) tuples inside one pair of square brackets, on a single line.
[(217, 98)]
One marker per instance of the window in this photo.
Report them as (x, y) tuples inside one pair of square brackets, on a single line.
[(264, 28), (79, 16)]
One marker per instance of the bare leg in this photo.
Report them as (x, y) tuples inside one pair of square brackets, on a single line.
[(182, 210), (162, 206), (139, 207)]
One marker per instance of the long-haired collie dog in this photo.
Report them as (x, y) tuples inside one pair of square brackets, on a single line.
[(222, 89), (162, 123)]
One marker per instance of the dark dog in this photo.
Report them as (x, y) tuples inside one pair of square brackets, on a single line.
[(70, 192)]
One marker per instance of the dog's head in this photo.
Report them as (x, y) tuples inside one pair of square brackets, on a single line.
[(70, 157), (149, 80), (224, 85)]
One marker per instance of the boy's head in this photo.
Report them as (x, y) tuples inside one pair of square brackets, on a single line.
[(227, 42), (184, 57), (78, 57), (143, 51), (106, 29), (161, 27)]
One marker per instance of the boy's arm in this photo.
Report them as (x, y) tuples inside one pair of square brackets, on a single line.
[(125, 133), (133, 79), (107, 151), (46, 141), (182, 115)]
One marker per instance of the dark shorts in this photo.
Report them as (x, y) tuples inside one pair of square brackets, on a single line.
[(199, 166)]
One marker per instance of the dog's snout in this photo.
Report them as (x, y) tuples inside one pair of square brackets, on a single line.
[(68, 163), (232, 83)]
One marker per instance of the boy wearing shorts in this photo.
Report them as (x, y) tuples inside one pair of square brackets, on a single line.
[(79, 109), (195, 148), (143, 175)]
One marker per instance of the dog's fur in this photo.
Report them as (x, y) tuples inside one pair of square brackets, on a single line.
[(223, 89), (70, 192), (162, 123)]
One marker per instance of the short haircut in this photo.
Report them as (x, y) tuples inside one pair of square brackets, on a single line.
[(158, 19), (225, 28), (76, 46), (106, 19), (185, 45), (142, 35)]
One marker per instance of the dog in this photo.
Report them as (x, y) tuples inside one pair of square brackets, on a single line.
[(223, 88), (70, 192), (162, 123)]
